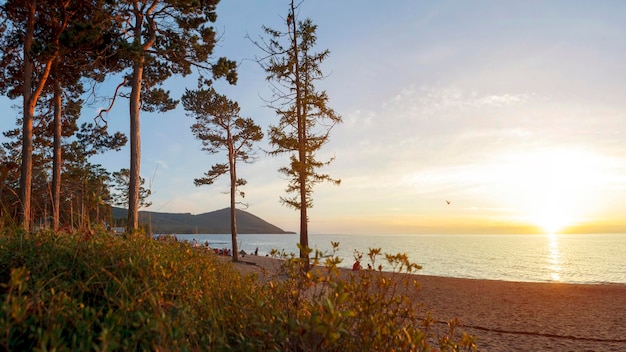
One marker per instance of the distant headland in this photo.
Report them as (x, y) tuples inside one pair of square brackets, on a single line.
[(214, 222)]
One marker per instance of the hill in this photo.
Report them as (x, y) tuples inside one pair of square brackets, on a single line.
[(215, 222)]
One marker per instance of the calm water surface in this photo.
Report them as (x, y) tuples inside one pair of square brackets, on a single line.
[(537, 258)]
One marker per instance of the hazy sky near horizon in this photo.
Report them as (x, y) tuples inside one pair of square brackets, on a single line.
[(514, 111)]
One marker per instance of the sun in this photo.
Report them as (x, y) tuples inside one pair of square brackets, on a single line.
[(551, 218), (552, 189)]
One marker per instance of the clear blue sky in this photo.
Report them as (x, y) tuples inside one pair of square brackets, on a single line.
[(514, 111)]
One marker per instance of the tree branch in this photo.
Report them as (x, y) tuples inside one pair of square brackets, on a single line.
[(99, 116)]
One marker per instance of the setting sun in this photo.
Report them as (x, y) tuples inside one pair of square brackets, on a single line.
[(551, 219), (554, 188)]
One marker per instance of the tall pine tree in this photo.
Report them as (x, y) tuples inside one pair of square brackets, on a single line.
[(305, 120)]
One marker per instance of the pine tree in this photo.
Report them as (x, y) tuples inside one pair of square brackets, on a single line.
[(220, 128), (305, 120)]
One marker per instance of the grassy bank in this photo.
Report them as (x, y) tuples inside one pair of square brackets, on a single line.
[(105, 293)]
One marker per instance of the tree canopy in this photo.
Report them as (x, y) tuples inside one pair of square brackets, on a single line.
[(164, 38), (51, 49)]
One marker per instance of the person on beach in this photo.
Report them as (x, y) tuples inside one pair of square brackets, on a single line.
[(357, 260), (256, 251)]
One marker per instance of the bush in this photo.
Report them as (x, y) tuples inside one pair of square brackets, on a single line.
[(72, 292), (329, 309)]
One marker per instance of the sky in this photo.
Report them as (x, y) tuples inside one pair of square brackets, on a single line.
[(458, 117)]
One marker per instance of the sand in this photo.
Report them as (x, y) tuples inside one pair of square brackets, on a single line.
[(517, 316)]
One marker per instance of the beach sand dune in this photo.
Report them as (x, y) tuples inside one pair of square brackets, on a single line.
[(517, 316)]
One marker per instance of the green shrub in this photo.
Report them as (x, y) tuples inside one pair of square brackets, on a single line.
[(71, 292), (328, 309)]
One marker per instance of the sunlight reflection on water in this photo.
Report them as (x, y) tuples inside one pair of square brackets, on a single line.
[(554, 257)]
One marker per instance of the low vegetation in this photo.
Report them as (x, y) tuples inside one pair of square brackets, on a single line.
[(72, 292)]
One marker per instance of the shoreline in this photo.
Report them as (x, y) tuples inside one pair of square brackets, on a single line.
[(521, 257), (514, 316)]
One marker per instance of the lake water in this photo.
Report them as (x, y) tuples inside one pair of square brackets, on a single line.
[(590, 259)]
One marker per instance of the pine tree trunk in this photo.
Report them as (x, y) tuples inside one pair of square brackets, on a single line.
[(27, 123), (233, 196), (56, 162), (27, 164), (135, 149), (301, 120)]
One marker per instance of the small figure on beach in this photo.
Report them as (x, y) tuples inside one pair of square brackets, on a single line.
[(256, 251), (357, 260)]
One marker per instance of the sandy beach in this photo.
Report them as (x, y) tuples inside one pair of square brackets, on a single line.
[(516, 316)]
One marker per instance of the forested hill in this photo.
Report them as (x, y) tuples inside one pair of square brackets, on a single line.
[(215, 222)]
